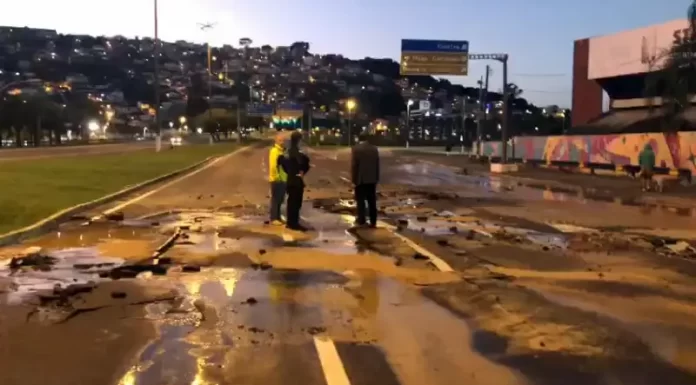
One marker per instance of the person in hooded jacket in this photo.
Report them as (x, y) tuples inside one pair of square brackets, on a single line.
[(296, 166)]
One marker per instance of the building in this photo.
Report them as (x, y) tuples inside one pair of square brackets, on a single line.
[(619, 64)]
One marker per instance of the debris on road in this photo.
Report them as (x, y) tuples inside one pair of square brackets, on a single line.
[(132, 271), (33, 258), (191, 269), (117, 216)]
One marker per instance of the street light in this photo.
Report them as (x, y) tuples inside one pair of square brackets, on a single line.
[(350, 105), (93, 126), (206, 27), (182, 120), (408, 119), (158, 121)]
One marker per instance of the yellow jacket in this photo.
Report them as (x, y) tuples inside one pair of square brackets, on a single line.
[(275, 172)]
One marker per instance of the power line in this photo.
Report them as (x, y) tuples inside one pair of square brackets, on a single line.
[(524, 90), (558, 75)]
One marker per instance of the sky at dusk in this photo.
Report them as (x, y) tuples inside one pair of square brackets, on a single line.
[(537, 34)]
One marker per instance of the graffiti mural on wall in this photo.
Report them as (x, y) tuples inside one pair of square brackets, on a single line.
[(673, 150)]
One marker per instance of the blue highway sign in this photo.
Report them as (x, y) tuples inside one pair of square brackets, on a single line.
[(290, 110), (264, 110), (434, 57)]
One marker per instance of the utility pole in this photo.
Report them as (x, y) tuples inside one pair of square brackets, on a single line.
[(158, 119), (461, 142), (506, 110), (205, 27), (309, 123), (479, 121), (483, 92), (239, 121), (503, 58)]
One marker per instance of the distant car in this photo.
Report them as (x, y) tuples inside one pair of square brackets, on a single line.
[(176, 141)]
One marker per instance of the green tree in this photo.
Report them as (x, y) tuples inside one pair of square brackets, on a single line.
[(35, 115), (674, 75)]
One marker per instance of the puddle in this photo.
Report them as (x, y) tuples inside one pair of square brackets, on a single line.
[(201, 221), (427, 174), (206, 234), (227, 315), (549, 240), (212, 242), (440, 226), (26, 282), (333, 242)]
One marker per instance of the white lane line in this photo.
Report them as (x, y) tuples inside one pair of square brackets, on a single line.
[(334, 371), (437, 261), (167, 185)]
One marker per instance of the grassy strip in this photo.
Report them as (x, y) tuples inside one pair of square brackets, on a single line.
[(31, 190)]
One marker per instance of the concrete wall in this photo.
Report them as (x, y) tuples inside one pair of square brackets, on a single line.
[(676, 151), (587, 93)]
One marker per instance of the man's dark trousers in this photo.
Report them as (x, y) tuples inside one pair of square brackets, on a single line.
[(294, 204), (366, 195)]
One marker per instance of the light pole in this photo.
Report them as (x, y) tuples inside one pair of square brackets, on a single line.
[(158, 122), (205, 27), (350, 105), (408, 119)]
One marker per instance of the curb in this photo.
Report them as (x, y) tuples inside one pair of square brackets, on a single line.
[(54, 220)]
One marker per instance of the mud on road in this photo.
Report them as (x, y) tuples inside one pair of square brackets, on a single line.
[(190, 285)]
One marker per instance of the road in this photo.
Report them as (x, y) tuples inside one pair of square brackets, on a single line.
[(7, 154), (468, 280)]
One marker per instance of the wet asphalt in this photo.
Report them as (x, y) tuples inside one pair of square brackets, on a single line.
[(186, 284)]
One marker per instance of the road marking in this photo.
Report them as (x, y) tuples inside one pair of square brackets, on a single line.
[(166, 185), (437, 261), (334, 371)]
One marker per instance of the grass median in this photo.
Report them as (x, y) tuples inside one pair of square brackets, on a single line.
[(31, 190)]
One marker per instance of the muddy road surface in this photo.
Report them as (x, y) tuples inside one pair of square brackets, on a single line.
[(467, 279)]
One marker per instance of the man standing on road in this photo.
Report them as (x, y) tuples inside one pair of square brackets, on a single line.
[(277, 178), (296, 165), (365, 176)]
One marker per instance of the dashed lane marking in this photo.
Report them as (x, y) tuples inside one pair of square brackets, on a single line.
[(331, 364), (167, 185)]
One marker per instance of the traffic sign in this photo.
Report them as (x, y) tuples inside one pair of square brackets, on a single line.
[(290, 110), (263, 110), (434, 57)]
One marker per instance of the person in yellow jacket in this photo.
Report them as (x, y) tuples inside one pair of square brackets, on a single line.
[(277, 177)]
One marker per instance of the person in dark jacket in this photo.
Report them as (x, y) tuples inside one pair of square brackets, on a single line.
[(365, 177), (296, 166)]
